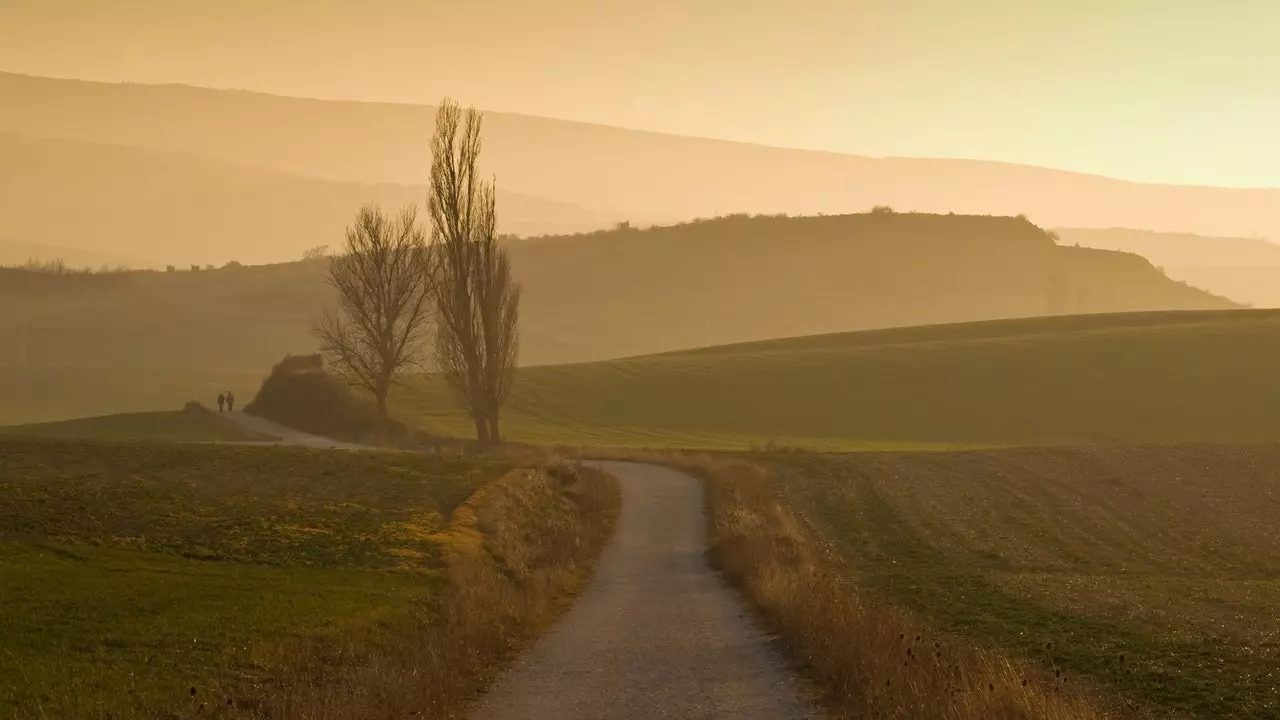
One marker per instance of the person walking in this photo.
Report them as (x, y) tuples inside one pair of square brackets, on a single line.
[(231, 402), (222, 400)]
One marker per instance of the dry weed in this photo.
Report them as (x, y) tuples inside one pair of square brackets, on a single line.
[(871, 660)]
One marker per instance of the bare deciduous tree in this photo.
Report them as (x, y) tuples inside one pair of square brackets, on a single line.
[(478, 302), (319, 252), (384, 279)]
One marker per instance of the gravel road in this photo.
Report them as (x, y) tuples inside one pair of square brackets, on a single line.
[(285, 435), (656, 634)]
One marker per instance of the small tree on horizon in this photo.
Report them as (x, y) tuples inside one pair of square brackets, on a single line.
[(478, 302), (319, 252), (384, 280)]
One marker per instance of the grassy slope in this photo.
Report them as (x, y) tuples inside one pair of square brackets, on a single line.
[(1128, 378), (1153, 571), (174, 425), (134, 571), (49, 394)]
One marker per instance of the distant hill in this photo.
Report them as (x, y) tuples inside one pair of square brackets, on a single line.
[(611, 294), (640, 176), (1123, 378), (18, 253), (1246, 270), (163, 207), (1177, 248)]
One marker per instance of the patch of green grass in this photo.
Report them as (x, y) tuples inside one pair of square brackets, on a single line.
[(1153, 377), (175, 425), (92, 629), (1153, 572), (136, 570)]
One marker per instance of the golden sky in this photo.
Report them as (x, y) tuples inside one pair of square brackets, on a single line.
[(1180, 91)]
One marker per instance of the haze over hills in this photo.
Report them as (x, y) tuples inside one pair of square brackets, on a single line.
[(1244, 269), (19, 253), (637, 175), (602, 295), (160, 207)]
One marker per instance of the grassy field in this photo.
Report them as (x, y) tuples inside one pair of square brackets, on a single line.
[(1154, 572), (1150, 377), (1123, 378), (174, 425), (134, 572), (49, 394)]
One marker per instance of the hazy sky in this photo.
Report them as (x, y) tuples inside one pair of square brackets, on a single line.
[(1184, 91)]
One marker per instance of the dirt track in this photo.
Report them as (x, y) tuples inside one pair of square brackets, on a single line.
[(656, 634), (285, 435)]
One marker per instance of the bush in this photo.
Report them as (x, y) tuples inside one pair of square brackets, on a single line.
[(300, 394)]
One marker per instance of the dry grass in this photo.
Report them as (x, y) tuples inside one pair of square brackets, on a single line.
[(516, 552), (872, 660)]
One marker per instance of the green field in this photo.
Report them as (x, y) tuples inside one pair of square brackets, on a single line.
[(1149, 377), (174, 425), (136, 571), (1139, 377), (1152, 571)]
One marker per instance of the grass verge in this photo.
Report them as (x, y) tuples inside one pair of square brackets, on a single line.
[(871, 659), (516, 553)]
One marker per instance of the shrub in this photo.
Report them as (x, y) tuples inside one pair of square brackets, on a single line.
[(300, 394)]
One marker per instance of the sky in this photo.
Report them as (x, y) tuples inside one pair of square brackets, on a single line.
[(1172, 91)]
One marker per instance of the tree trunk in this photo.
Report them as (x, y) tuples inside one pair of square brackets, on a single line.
[(495, 436), (482, 431)]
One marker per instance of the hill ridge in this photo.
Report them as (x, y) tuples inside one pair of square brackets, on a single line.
[(635, 174)]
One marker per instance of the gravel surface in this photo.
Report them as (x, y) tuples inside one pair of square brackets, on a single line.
[(656, 634), (285, 435)]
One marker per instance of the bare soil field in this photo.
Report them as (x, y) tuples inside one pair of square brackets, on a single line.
[(1151, 571)]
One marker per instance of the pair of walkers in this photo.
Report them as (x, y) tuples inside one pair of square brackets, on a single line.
[(228, 401)]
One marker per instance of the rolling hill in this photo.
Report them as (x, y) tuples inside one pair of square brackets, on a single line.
[(638, 175), (1246, 270), (1124, 378), (166, 207), (613, 294), (1118, 378)]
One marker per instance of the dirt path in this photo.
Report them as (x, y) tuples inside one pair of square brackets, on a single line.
[(656, 634), (286, 435)]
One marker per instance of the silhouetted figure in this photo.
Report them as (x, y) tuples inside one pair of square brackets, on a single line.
[(231, 402), (222, 400)]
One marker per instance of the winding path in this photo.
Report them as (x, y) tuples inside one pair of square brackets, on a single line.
[(656, 634), (285, 435)]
